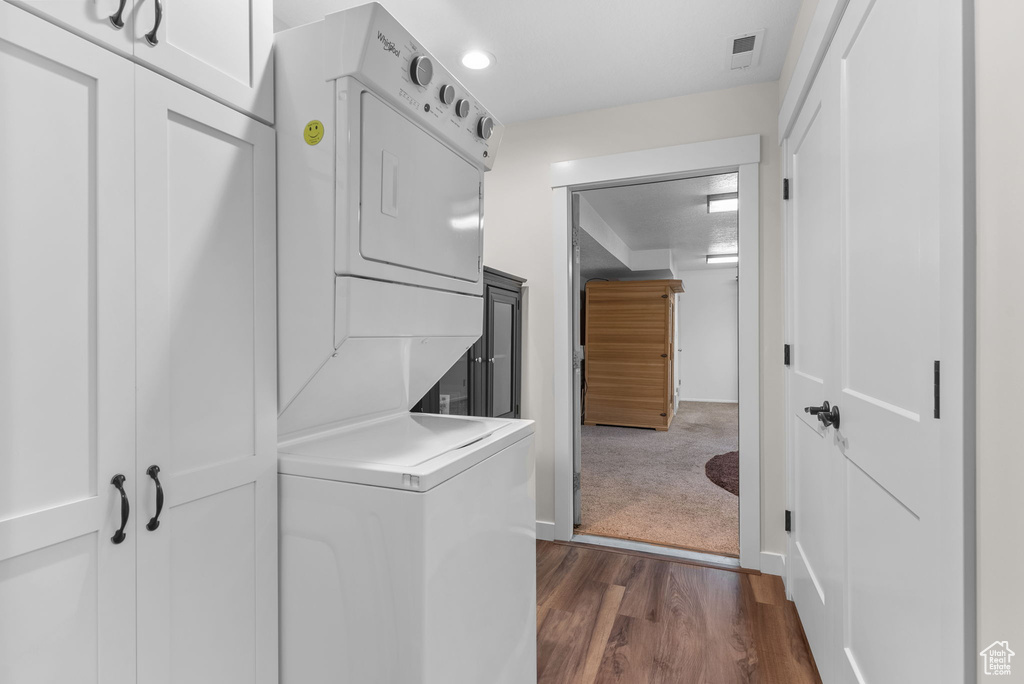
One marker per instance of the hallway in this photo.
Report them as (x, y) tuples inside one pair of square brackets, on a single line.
[(606, 616)]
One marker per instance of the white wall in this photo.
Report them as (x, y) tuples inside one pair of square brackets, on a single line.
[(519, 239), (707, 346), (1000, 333)]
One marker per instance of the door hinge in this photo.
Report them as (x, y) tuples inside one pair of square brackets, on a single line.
[(789, 521), (576, 359), (785, 355), (938, 387), (479, 264), (785, 188), (576, 482)]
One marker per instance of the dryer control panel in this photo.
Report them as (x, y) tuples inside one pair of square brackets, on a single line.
[(370, 45)]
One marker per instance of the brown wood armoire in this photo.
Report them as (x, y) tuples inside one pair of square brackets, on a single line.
[(629, 342)]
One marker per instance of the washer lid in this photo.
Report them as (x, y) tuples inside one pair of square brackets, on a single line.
[(412, 451)]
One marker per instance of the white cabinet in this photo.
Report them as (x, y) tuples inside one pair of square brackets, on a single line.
[(222, 48), (207, 394), (137, 296), (67, 357)]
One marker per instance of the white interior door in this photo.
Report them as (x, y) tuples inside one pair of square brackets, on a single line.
[(813, 258), (106, 21), (893, 101), (880, 493), (67, 376), (206, 391), (222, 48)]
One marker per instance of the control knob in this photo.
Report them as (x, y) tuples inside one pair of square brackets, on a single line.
[(485, 127), (421, 70), (447, 94), (462, 108)]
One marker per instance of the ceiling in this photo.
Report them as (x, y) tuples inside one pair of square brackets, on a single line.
[(557, 57), (666, 215)]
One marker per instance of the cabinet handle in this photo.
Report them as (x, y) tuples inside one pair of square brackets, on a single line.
[(118, 481), (479, 359), (664, 356), (116, 19), (490, 360), (151, 36), (154, 471)]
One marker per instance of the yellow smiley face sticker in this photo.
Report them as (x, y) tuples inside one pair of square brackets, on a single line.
[(313, 133)]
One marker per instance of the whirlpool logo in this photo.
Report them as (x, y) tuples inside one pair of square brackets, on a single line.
[(388, 44)]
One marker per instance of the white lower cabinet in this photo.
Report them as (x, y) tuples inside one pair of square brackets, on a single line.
[(136, 329)]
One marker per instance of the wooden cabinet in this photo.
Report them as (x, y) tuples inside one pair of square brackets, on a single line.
[(487, 380), (629, 345), (222, 48), (137, 245)]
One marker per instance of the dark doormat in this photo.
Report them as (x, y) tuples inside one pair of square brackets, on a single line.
[(724, 471)]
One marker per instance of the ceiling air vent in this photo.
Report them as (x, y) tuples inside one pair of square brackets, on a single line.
[(745, 50)]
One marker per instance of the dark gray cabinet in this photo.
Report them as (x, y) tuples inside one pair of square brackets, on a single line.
[(487, 381)]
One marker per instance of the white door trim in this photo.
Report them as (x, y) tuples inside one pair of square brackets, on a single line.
[(819, 36), (742, 154)]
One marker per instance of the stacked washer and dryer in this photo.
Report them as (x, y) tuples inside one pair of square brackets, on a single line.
[(407, 540)]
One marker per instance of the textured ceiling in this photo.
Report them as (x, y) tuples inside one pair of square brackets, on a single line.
[(671, 215), (562, 56)]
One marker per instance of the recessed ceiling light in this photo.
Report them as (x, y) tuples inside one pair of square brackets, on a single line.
[(477, 59), (723, 258), (727, 201)]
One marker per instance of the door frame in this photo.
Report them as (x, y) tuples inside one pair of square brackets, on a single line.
[(742, 155)]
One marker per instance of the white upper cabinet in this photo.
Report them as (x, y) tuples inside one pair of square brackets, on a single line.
[(221, 48)]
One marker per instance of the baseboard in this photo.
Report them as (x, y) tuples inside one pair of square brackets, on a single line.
[(774, 564), (545, 530), (711, 401)]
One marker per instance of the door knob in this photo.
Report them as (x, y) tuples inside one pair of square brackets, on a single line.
[(826, 413)]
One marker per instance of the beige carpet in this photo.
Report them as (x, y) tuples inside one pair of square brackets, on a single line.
[(651, 486)]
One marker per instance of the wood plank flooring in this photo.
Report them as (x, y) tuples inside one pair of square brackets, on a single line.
[(607, 616)]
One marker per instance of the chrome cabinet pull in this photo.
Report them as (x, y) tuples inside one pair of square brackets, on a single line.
[(116, 19), (118, 481), (151, 36), (154, 471)]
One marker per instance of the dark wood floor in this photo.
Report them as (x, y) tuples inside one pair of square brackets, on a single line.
[(606, 616)]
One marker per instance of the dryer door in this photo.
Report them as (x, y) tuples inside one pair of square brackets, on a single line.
[(419, 200)]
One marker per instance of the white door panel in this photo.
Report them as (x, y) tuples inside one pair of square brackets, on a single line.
[(891, 330), (222, 48), (89, 18), (66, 356), (813, 238), (206, 392), (891, 173)]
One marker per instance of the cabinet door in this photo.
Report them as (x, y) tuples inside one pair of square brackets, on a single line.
[(108, 22), (502, 356), (67, 408), (222, 48), (205, 212)]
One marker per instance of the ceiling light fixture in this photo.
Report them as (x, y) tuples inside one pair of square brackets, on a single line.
[(477, 59), (727, 201), (723, 258)]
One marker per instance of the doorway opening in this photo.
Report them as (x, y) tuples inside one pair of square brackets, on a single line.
[(658, 340), (740, 156)]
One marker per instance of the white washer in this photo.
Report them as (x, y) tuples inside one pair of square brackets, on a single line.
[(408, 552)]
